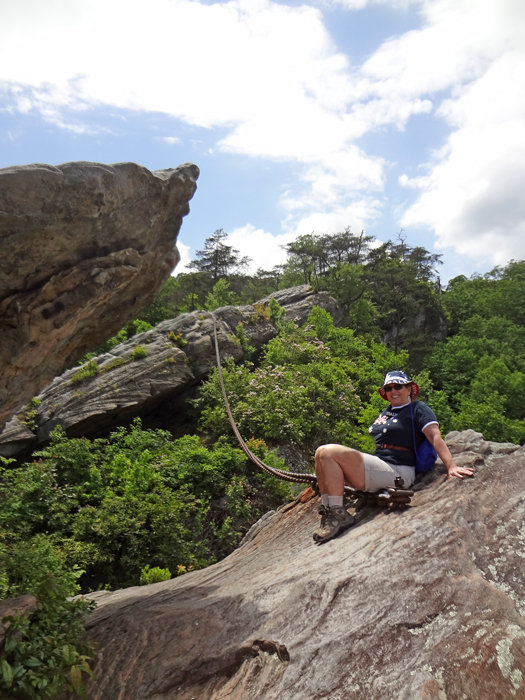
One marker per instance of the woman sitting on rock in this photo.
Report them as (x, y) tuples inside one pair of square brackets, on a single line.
[(394, 456)]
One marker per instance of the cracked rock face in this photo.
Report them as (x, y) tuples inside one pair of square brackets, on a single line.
[(84, 247), (177, 354), (427, 603)]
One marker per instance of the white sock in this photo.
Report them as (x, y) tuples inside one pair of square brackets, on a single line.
[(324, 499), (335, 501)]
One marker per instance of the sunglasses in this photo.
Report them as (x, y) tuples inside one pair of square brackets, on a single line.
[(391, 387)]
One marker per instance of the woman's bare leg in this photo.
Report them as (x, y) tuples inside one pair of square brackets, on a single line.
[(335, 465)]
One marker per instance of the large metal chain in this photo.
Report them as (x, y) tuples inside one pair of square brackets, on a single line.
[(396, 498), (279, 473)]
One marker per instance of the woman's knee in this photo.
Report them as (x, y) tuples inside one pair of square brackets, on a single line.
[(346, 457), (333, 451), (319, 452), (326, 452)]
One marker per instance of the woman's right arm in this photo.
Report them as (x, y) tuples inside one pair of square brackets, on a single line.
[(434, 437)]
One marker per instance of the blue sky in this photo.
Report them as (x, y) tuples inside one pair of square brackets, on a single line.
[(302, 116)]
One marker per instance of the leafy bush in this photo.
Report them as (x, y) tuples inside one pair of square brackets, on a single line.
[(220, 296), (28, 417), (112, 507), (179, 341), (262, 312), (45, 654), (117, 362), (277, 313), (87, 371), (243, 339), (155, 575), (139, 351)]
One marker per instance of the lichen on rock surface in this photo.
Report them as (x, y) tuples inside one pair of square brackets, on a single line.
[(426, 603), (84, 247)]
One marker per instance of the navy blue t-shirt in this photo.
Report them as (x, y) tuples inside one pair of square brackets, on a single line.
[(394, 427)]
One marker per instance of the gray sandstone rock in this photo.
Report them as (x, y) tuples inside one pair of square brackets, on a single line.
[(298, 302), (426, 603), (178, 354), (84, 247)]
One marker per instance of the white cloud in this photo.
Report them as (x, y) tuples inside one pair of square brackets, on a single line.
[(171, 140), (185, 258), (355, 216), (262, 247), (361, 4), (267, 72), (472, 194), (270, 75), (330, 180)]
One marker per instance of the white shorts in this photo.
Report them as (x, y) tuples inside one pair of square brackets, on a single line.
[(381, 475)]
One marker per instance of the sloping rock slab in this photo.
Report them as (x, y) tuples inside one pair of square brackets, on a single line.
[(178, 354), (423, 604), (84, 247)]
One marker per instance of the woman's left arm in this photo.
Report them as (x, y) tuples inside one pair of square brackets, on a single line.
[(434, 437)]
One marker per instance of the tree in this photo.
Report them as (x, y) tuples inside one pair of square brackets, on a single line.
[(399, 283), (220, 296), (346, 247), (218, 259), (308, 256), (315, 256), (424, 263)]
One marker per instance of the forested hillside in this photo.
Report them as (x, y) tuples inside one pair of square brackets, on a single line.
[(140, 506), (465, 341)]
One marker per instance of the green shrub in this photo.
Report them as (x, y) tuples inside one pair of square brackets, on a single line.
[(117, 362), (277, 313), (45, 654), (309, 389), (220, 296), (247, 349), (113, 506), (28, 418), (179, 341), (262, 312), (155, 575), (139, 351), (87, 371)]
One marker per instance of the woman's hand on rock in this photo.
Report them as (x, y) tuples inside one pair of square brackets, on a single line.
[(459, 472)]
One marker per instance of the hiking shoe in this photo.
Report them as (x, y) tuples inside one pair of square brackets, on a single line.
[(334, 521)]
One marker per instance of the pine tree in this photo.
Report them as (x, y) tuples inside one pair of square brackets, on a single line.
[(218, 259)]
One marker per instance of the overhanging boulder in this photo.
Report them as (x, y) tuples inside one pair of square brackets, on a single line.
[(84, 247)]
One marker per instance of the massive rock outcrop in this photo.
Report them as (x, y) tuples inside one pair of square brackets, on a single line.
[(150, 374), (426, 604), (84, 247)]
